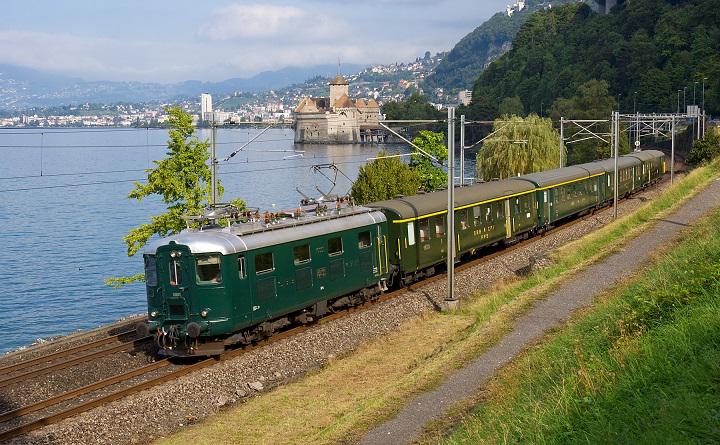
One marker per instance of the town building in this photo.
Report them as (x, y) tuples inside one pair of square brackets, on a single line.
[(465, 97), (337, 119), (206, 107)]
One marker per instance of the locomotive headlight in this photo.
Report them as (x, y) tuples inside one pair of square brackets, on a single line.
[(173, 254), (204, 313), (153, 314)]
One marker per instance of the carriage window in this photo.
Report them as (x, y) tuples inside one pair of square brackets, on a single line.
[(301, 254), (175, 272), (463, 219), (335, 246), (150, 270), (207, 269), (364, 239), (241, 267), (264, 263), (476, 215), (411, 233), (439, 226), (424, 230)]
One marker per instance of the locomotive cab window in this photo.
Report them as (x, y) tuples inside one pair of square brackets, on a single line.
[(335, 246), (175, 272), (150, 270), (301, 254), (264, 263), (364, 239), (207, 269), (241, 266)]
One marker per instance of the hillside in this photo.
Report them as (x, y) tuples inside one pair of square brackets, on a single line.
[(477, 50), (646, 50)]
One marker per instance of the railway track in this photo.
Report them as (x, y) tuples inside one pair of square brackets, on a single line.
[(181, 370)]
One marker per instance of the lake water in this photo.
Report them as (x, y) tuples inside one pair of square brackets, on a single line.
[(64, 210)]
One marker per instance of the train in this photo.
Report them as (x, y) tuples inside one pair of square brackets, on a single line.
[(220, 285)]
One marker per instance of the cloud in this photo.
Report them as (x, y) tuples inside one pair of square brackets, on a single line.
[(263, 21)]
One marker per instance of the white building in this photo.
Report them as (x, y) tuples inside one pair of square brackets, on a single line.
[(464, 97), (206, 107)]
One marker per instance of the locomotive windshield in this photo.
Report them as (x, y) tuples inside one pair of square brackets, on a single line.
[(208, 269), (150, 270)]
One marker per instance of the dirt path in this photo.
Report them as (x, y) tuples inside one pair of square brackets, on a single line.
[(543, 316)]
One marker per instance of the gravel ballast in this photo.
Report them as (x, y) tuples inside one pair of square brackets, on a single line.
[(166, 408)]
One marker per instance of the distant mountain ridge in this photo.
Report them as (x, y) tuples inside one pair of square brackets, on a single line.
[(22, 87)]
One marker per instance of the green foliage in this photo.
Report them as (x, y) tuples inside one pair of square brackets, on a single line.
[(414, 107), (642, 367), (118, 282), (182, 179), (383, 179), (472, 53), (511, 106), (592, 101), (652, 47), (705, 150), (432, 177), (519, 146)]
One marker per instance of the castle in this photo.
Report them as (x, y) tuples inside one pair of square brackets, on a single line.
[(337, 119)]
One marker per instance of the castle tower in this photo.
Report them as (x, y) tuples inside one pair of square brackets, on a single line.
[(339, 87)]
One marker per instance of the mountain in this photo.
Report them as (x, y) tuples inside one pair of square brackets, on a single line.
[(25, 88), (474, 52), (646, 50)]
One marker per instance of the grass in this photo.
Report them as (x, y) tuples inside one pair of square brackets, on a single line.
[(351, 394), (643, 367)]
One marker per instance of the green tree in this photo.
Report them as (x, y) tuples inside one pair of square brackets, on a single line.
[(182, 180), (384, 178), (519, 146), (511, 106), (432, 177), (705, 150)]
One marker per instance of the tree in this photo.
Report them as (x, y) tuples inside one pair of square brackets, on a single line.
[(432, 177), (182, 180), (592, 101), (511, 106), (519, 146), (384, 178), (705, 150)]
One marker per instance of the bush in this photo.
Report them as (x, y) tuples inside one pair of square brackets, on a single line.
[(705, 150)]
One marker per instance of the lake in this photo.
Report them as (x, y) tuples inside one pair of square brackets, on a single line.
[(64, 210)]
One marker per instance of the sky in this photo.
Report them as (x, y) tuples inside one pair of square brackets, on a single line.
[(173, 40)]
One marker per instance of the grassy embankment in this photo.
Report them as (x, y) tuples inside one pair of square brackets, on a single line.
[(642, 367), (352, 393)]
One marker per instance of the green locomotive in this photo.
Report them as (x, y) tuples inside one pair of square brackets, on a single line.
[(213, 287)]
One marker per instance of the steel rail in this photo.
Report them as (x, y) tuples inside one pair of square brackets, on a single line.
[(46, 358), (71, 362)]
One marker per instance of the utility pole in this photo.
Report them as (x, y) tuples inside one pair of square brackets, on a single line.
[(562, 139), (637, 131), (672, 151), (704, 124), (616, 140), (213, 160), (451, 303), (462, 150), (678, 106), (684, 100)]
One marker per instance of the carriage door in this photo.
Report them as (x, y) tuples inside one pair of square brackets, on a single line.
[(508, 220)]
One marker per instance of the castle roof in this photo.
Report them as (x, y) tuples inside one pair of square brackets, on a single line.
[(339, 80), (344, 102)]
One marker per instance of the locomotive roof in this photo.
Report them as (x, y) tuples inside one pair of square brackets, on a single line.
[(244, 237), (423, 205), (646, 155)]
